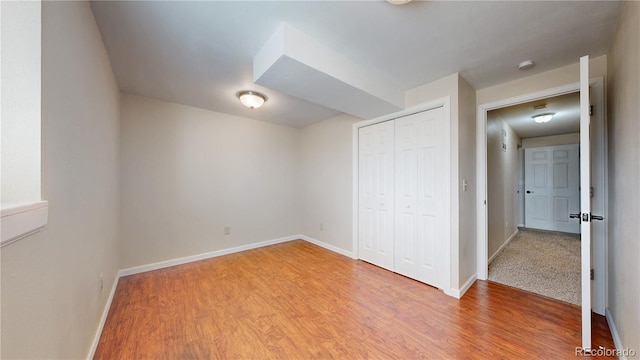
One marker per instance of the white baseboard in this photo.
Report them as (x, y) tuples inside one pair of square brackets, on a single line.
[(503, 246), (614, 333), (326, 246), (203, 256), (103, 318), (458, 293)]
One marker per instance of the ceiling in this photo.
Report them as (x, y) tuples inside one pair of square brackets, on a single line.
[(202, 53), (566, 118)]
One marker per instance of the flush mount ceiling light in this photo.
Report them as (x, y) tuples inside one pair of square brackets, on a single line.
[(543, 118), (526, 65), (251, 99), (398, 2)]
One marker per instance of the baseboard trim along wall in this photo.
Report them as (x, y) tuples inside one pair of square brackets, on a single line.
[(503, 246), (192, 258), (327, 246), (203, 256), (457, 293), (614, 333), (103, 318)]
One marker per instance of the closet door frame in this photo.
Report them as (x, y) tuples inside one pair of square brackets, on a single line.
[(445, 103)]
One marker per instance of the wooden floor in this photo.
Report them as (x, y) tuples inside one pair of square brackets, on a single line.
[(298, 301)]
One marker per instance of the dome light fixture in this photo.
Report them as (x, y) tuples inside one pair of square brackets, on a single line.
[(251, 99), (526, 65), (398, 2), (543, 118)]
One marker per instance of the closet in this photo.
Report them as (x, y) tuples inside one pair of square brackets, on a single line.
[(403, 195)]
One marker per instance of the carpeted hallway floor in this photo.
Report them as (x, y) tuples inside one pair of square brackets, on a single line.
[(546, 263)]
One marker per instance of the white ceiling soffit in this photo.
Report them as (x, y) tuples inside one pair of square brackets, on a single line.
[(298, 65)]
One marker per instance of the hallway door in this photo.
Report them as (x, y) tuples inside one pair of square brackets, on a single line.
[(552, 188)]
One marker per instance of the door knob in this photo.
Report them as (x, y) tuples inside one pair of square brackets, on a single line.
[(529, 192), (586, 217), (576, 216), (596, 217)]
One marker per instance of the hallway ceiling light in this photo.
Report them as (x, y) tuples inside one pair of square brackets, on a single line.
[(251, 99), (398, 2), (543, 118)]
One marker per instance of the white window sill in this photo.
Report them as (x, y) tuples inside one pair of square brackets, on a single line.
[(22, 220)]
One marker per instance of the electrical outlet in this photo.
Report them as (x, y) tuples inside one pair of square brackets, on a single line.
[(227, 230), (321, 226)]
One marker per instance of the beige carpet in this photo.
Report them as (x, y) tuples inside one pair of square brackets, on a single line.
[(546, 263)]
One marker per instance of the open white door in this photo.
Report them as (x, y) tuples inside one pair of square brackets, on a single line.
[(585, 202)]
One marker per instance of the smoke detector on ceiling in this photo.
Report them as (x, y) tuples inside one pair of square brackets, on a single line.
[(526, 65)]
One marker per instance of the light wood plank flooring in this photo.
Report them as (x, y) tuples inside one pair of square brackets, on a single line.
[(298, 301)]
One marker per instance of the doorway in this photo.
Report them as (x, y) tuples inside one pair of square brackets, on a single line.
[(533, 185), (598, 157)]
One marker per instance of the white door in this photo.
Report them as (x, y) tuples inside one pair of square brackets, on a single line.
[(552, 187), (585, 203), (376, 194), (421, 176)]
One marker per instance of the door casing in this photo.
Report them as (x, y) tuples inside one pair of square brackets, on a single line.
[(599, 254)]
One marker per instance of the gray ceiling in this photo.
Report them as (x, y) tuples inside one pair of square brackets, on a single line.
[(566, 119), (201, 53)]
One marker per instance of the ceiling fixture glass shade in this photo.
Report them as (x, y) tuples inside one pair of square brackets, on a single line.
[(251, 99), (526, 65), (543, 118), (398, 2)]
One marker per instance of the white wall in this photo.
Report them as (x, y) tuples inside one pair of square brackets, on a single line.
[(51, 302), (563, 139), (624, 172), (187, 173), (502, 182), (21, 101), (467, 255), (569, 74), (326, 173)]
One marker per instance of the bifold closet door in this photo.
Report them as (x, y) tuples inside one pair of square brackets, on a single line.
[(421, 180), (376, 194)]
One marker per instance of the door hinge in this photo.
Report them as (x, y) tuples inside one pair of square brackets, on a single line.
[(590, 110), (593, 276)]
